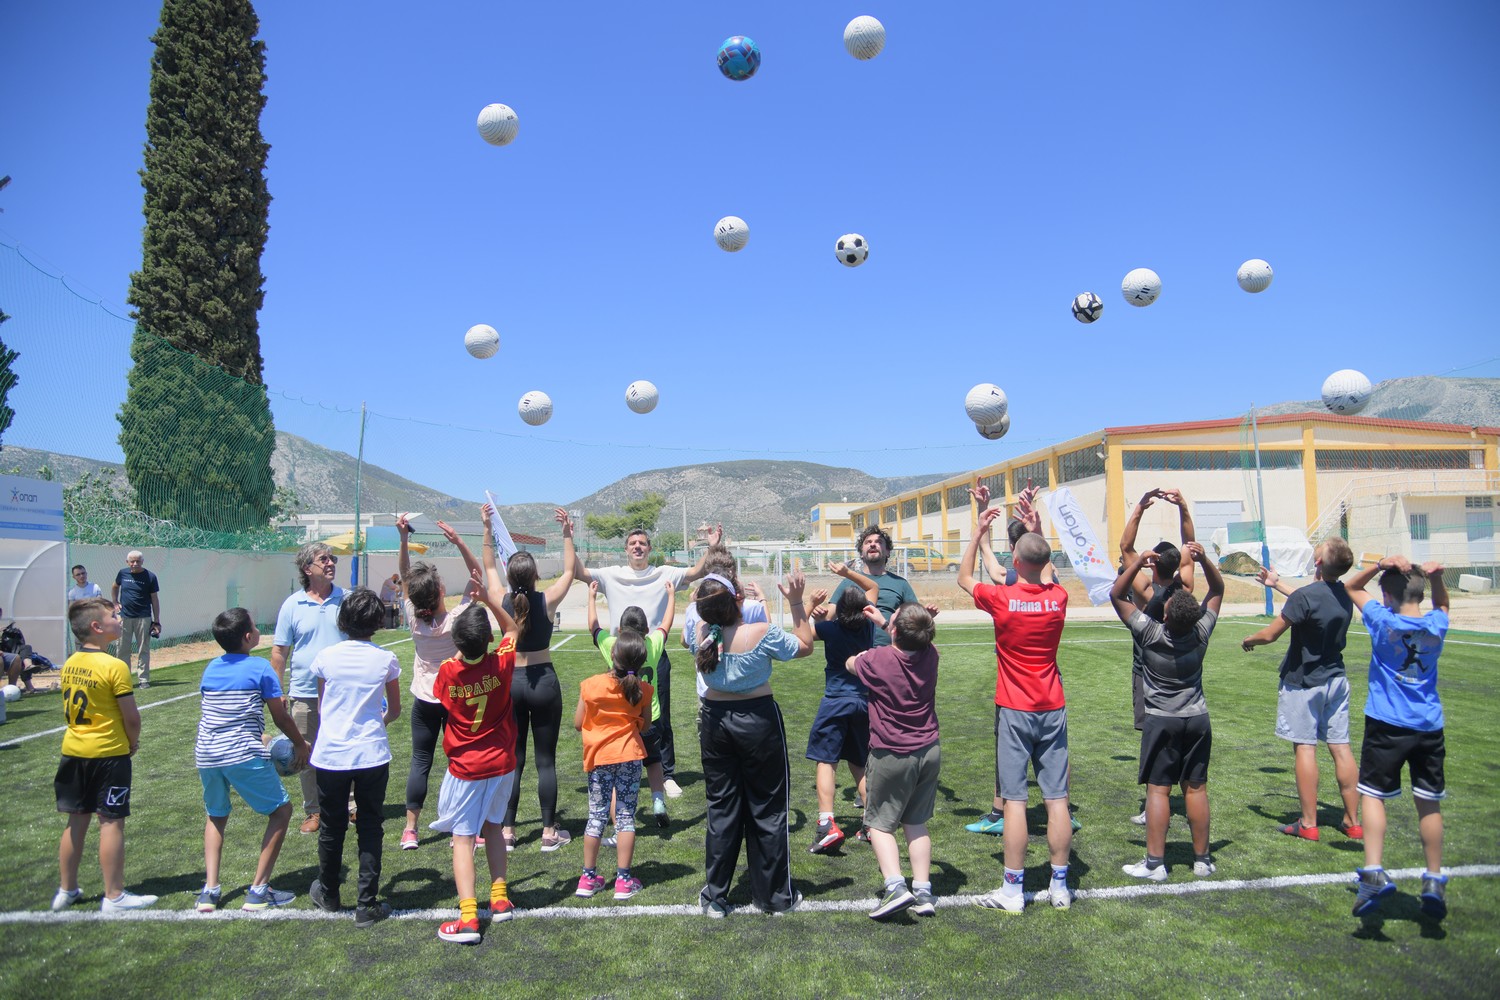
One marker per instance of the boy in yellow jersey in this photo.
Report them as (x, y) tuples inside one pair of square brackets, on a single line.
[(104, 730)]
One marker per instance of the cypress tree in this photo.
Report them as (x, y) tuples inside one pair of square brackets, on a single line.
[(8, 379), (196, 424)]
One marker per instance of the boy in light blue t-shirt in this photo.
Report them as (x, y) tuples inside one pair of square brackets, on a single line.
[(1403, 721)]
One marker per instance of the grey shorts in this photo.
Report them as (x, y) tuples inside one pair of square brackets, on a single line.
[(1036, 738), (1316, 714), (902, 787)]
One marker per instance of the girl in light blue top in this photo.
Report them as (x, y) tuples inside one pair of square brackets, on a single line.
[(743, 741)]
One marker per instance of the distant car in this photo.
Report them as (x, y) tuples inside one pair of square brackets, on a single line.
[(925, 560)]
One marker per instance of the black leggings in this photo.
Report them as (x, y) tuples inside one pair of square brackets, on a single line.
[(536, 698), (427, 721)]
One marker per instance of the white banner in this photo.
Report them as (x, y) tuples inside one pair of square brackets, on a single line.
[(505, 546), (1081, 544)]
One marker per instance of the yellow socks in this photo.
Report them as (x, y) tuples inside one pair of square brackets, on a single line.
[(468, 909), (498, 890)]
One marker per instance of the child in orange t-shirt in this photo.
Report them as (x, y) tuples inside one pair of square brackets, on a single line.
[(614, 709)]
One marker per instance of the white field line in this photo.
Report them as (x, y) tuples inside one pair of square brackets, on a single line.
[(1144, 889), (566, 639)]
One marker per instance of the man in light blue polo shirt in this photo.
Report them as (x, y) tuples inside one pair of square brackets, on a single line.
[(306, 624)]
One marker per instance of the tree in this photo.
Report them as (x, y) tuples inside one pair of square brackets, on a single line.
[(8, 379), (196, 425), (640, 514)]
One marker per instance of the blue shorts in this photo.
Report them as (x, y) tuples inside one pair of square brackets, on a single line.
[(256, 780), (840, 731)]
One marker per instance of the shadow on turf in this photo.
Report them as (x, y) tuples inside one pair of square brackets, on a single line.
[(1399, 906), (1329, 818)]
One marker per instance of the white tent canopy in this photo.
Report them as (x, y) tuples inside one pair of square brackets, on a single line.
[(1291, 553)]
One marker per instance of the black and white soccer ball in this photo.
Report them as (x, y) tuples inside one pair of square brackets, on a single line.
[(1087, 307), (852, 250)]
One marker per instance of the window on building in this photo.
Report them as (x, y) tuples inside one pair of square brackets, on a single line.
[(958, 496), (1081, 464), (908, 508), (859, 522), (1479, 503), (1036, 472), (932, 503), (1418, 523), (1392, 459), (888, 513), (996, 482), (1209, 461)]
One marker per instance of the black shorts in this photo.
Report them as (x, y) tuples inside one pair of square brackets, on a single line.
[(1387, 747), (652, 738), (93, 784), (1175, 749), (1138, 698), (840, 731)]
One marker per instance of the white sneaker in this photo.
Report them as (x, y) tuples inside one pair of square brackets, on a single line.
[(1001, 900), (1203, 869), (672, 788), (65, 899), (1059, 894), (126, 901), (1139, 820), (1139, 870)]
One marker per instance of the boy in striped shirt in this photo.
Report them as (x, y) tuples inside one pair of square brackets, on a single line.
[(230, 753)]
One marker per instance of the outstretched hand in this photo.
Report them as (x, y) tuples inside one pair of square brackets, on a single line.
[(402, 524), (793, 587), (980, 494), (561, 517), (1194, 551), (448, 532), (1267, 577)]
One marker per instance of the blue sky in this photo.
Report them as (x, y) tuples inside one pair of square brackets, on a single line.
[(1000, 160)]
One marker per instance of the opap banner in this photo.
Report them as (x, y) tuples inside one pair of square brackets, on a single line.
[(1081, 544)]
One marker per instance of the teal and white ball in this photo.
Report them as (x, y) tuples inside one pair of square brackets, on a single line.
[(535, 407), (1346, 392), (731, 233), (498, 124), (995, 431), (641, 396), (1141, 287), (852, 250), (1254, 275), (864, 37), (986, 404), (482, 341)]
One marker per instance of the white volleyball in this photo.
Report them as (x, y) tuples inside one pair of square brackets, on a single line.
[(986, 404), (482, 341), (535, 407), (1141, 286), (641, 396), (11, 692), (1346, 391), (864, 37), (1254, 275), (996, 431), (731, 233), (498, 124)]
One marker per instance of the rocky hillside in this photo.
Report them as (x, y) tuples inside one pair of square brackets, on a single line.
[(1431, 398)]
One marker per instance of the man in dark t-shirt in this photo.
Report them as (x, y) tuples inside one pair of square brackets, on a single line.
[(136, 591), (1313, 702)]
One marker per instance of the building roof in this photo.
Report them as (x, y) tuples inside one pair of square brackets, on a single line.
[(1295, 418)]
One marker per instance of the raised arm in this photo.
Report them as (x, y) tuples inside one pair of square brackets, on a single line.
[(1268, 577), (700, 568), (1026, 509), (981, 535), (1211, 575), (801, 626), (492, 580), (403, 558), (1119, 594), (1127, 539), (854, 576), (1356, 584), (593, 606), (1439, 586), (1185, 519), (564, 583), (981, 496), (470, 563), (671, 612), (484, 594)]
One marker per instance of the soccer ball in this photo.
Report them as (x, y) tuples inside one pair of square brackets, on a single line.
[(986, 404), (731, 233), (739, 58), (12, 693), (1141, 287), (1254, 275), (498, 124), (852, 250), (281, 756), (482, 341), (1087, 307), (535, 407), (996, 431), (1346, 391), (641, 396), (864, 37)]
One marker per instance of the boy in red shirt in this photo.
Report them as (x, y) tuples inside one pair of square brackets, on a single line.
[(1031, 717), (480, 741)]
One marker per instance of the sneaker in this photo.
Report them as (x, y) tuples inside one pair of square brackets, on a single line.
[(271, 897), (826, 837), (1434, 895), (627, 887), (1352, 830), (478, 841), (796, 902), (986, 825), (125, 901), (863, 836), (859, 802), (143, 685), (1076, 825), (1203, 869), (672, 788), (562, 839), (501, 910), (1139, 819), (610, 841), (659, 810), (369, 916), (323, 899), (208, 900), (1374, 885), (66, 898), (1296, 829), (510, 842), (1000, 900), (310, 825), (713, 909), (460, 931), (1139, 870), (1059, 894), (894, 901), (588, 885), (409, 840), (923, 905)]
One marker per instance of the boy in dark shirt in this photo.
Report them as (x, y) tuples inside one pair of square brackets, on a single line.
[(1313, 704)]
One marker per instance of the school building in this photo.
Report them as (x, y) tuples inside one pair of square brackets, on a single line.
[(1428, 491)]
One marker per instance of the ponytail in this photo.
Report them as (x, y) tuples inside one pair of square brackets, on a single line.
[(626, 659), (719, 610), (520, 573), (520, 606), (707, 656)]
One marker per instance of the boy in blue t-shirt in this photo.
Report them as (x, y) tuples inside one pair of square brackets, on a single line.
[(231, 753), (841, 729), (1403, 721)]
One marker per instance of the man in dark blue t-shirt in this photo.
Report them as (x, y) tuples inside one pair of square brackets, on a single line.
[(135, 591)]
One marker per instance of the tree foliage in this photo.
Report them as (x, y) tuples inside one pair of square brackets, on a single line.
[(638, 514), (8, 380), (198, 446)]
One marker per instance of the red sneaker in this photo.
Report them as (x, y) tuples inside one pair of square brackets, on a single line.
[(501, 909), (460, 931), (1296, 829), (1352, 830)]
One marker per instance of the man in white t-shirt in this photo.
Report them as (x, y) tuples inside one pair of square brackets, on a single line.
[(82, 589), (639, 583)]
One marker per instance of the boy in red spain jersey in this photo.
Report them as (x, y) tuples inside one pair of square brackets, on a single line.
[(1031, 718)]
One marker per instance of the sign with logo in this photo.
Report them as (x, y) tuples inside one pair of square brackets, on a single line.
[(31, 508), (1081, 544)]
